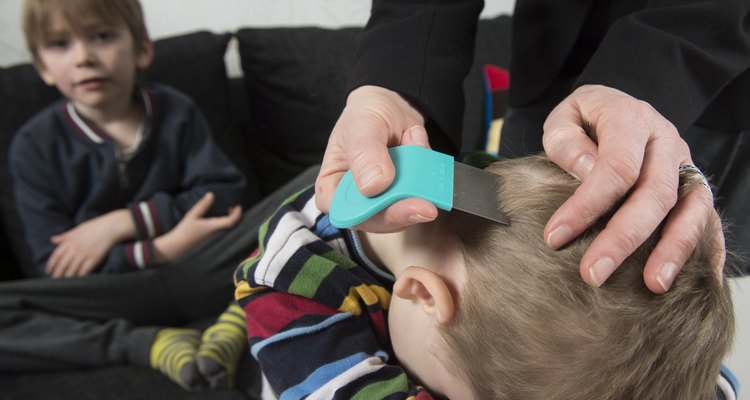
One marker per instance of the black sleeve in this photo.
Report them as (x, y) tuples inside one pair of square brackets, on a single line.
[(423, 50), (676, 55)]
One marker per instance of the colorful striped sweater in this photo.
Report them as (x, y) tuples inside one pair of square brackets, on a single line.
[(317, 311)]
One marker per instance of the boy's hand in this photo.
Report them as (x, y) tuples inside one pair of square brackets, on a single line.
[(82, 248), (193, 229)]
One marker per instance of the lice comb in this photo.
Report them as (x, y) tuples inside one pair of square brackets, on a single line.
[(425, 174)]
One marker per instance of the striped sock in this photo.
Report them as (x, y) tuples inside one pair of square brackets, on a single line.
[(221, 348), (173, 353)]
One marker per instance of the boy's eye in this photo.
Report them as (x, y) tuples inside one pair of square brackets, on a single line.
[(104, 36), (57, 43)]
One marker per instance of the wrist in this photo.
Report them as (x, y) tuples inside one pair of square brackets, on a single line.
[(121, 225), (166, 248)]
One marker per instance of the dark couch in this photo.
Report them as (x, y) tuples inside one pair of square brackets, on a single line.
[(273, 123)]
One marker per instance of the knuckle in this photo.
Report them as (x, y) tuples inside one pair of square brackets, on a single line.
[(664, 196), (684, 244), (626, 168), (627, 241)]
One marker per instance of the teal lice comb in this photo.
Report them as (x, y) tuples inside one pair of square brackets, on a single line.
[(425, 174)]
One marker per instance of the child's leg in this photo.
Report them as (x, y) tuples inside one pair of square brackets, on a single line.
[(35, 341), (173, 353), (222, 346)]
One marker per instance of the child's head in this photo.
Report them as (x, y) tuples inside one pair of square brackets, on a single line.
[(87, 46), (519, 322)]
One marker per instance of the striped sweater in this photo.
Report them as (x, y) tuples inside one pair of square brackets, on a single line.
[(317, 311)]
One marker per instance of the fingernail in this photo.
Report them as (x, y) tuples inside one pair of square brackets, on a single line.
[(601, 270), (418, 219), (419, 135), (583, 166), (666, 275), (370, 174), (559, 236)]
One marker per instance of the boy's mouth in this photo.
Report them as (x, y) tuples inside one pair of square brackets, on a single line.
[(92, 83)]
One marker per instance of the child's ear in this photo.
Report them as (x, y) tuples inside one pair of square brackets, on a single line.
[(428, 290), (145, 54)]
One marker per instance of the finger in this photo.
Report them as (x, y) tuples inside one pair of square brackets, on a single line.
[(201, 207), (400, 215), (417, 136), (681, 233), (566, 142), (74, 268), (230, 219), (86, 268), (618, 167), (720, 257), (62, 265), (638, 217), (235, 213), (53, 260), (325, 187)]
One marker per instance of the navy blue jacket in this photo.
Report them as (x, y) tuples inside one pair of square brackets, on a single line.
[(65, 172)]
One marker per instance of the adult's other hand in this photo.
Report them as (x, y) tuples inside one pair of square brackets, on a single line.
[(633, 151)]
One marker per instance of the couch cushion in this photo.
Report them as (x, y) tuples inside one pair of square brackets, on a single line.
[(22, 94), (192, 63), (296, 81)]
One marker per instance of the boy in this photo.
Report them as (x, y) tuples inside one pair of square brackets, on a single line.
[(117, 177), (102, 177), (478, 310)]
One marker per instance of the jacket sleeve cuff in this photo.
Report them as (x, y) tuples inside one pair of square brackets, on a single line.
[(146, 219), (140, 254)]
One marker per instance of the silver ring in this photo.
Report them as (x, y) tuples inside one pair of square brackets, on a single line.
[(691, 175)]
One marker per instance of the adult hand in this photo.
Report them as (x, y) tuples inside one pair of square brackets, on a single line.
[(193, 229), (373, 120), (638, 150), (81, 249)]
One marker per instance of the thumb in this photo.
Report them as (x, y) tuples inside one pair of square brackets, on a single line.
[(369, 160)]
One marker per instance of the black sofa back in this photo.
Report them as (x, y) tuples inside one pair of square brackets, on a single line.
[(273, 122)]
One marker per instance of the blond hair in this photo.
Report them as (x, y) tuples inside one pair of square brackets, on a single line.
[(528, 327), (37, 13)]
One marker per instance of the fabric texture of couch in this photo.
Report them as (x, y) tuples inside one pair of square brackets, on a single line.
[(273, 123)]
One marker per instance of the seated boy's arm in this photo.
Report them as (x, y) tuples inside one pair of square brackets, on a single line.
[(205, 169), (193, 229), (80, 250), (49, 222)]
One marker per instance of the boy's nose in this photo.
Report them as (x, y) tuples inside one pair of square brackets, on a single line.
[(83, 54)]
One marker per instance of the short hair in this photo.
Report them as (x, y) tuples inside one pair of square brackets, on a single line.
[(529, 327), (36, 17)]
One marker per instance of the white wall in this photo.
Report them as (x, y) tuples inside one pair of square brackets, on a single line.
[(170, 17)]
